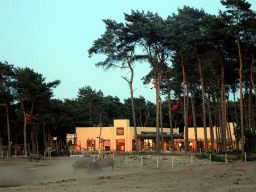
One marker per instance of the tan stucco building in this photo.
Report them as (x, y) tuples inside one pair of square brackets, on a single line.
[(200, 135), (121, 137)]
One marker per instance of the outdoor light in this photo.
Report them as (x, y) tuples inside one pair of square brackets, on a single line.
[(179, 144), (190, 144)]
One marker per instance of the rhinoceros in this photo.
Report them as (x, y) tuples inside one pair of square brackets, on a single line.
[(36, 157), (107, 162), (86, 163)]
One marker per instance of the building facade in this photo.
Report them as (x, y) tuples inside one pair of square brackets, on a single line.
[(121, 137), (230, 136)]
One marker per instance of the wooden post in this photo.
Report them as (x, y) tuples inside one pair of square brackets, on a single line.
[(126, 161), (157, 162), (28, 148), (210, 159), (245, 157), (172, 161), (141, 160), (226, 158), (15, 152)]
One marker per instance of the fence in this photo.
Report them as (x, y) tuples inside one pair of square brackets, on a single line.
[(156, 162), (160, 162), (15, 150)]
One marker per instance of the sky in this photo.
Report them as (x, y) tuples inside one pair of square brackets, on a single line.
[(52, 37)]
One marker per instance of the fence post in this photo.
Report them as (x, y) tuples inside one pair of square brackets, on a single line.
[(172, 161), (157, 162), (141, 160), (7, 155), (226, 158), (210, 159), (245, 157), (126, 162)]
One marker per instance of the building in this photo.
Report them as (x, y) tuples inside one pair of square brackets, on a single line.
[(230, 137), (121, 137)]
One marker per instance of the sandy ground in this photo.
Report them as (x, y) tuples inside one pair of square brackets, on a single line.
[(57, 174)]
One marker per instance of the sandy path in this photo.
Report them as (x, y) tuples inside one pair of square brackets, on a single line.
[(58, 175)]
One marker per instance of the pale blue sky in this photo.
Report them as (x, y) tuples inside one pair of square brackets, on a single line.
[(52, 37)]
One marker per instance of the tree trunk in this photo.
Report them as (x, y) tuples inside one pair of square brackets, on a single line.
[(220, 123), (245, 107), (203, 101), (170, 113), (33, 139), (8, 130), (210, 122), (100, 134), (251, 113), (237, 142), (252, 76), (185, 114), (215, 118), (134, 119), (157, 113), (161, 121), (1, 144), (223, 106), (24, 128), (252, 86), (194, 119), (241, 95), (36, 142), (133, 108), (45, 143), (250, 107)]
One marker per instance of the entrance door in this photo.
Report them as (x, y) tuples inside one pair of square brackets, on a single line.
[(120, 145), (91, 145), (107, 145)]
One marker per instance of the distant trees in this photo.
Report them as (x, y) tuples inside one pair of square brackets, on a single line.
[(32, 93), (6, 95)]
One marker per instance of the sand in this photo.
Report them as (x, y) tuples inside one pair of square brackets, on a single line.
[(57, 174)]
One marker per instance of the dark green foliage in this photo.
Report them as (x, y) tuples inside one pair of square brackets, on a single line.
[(250, 137)]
